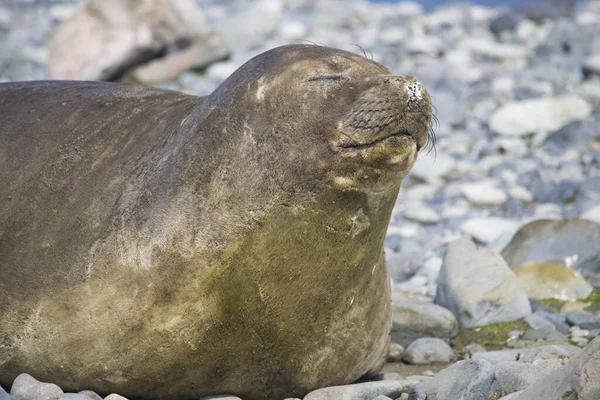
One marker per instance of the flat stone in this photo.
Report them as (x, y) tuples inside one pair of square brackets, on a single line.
[(484, 194), (515, 376), (543, 114), (358, 391), (478, 287), (26, 387), (413, 318), (434, 169), (498, 356), (584, 320), (465, 380), (422, 214), (428, 351), (487, 230)]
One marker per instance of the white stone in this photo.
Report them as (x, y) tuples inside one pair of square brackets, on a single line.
[(422, 213), (221, 70), (393, 35), (479, 288), (409, 8), (26, 387), (115, 396), (433, 169), (521, 193), (292, 30), (486, 230), (544, 114), (484, 194), (495, 50), (592, 214)]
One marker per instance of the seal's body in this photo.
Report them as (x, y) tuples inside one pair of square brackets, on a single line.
[(161, 245)]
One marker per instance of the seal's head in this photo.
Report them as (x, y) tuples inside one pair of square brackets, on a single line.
[(343, 114)]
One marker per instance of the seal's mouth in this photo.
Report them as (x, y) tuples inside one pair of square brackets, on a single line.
[(398, 134)]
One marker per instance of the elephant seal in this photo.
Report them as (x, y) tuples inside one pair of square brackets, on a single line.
[(162, 245)]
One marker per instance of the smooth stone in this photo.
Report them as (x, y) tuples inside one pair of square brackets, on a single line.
[(404, 264), (434, 169), (498, 356), (486, 230), (395, 352), (465, 380), (91, 395), (506, 21), (387, 376), (292, 30), (484, 194), (221, 397), (475, 348), (584, 320), (73, 396), (26, 387), (114, 396), (382, 397), (544, 114), (578, 379), (592, 214), (413, 318), (495, 50), (554, 241), (221, 70), (422, 214), (591, 65), (549, 280), (512, 396), (6, 396), (428, 351), (358, 391), (515, 376), (478, 287), (558, 320)]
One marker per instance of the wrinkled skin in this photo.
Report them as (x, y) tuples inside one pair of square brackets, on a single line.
[(161, 245)]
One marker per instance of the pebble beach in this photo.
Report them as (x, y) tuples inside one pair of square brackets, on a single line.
[(493, 247)]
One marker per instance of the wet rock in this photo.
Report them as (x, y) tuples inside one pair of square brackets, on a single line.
[(26, 387), (465, 380), (413, 318), (358, 391), (478, 287), (428, 351), (578, 379), (544, 114), (554, 241), (546, 280)]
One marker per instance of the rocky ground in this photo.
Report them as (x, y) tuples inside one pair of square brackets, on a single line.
[(494, 245)]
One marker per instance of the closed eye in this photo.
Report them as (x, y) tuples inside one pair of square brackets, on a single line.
[(327, 78)]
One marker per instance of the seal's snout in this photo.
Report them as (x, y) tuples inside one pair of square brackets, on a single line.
[(391, 106)]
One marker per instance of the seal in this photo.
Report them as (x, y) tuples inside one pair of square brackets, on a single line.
[(162, 245)]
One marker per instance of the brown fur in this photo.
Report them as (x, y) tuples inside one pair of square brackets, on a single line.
[(161, 245)]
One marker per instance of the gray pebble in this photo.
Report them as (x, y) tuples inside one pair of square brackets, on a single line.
[(428, 351), (465, 380), (90, 394), (358, 391), (515, 376)]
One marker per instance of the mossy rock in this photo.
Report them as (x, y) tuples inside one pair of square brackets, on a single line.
[(492, 337)]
